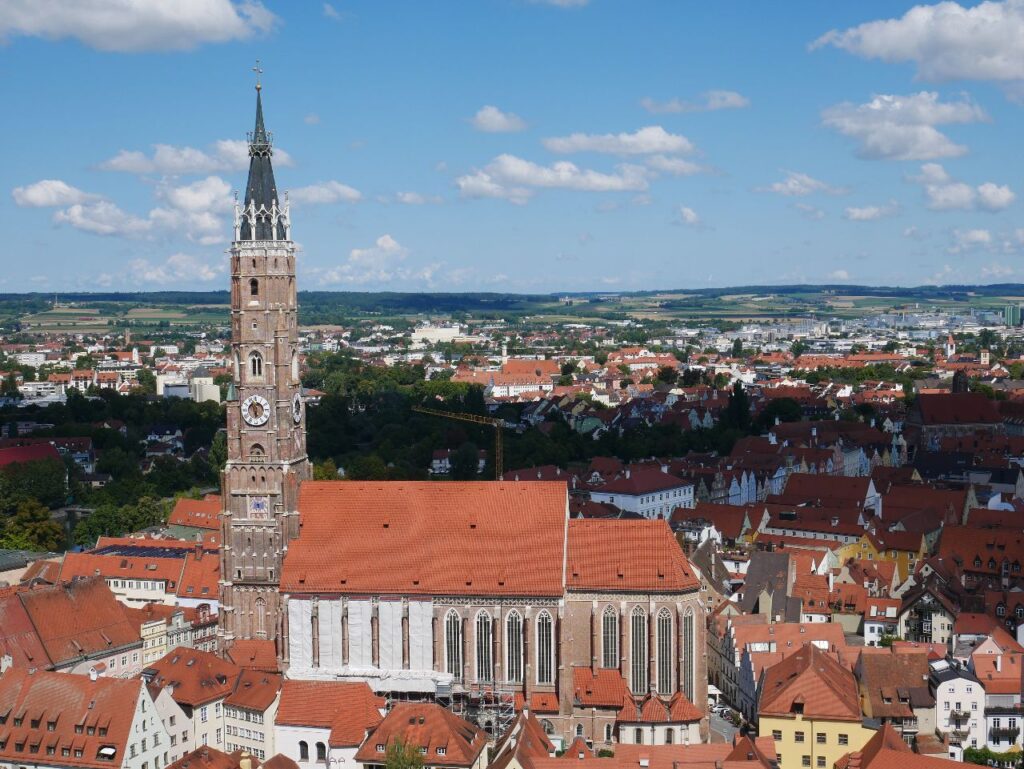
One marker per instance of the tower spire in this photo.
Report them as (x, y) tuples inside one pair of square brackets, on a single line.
[(260, 206)]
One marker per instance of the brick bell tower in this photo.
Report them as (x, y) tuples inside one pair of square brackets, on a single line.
[(266, 444)]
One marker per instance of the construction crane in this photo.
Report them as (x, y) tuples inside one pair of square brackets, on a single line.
[(497, 424)]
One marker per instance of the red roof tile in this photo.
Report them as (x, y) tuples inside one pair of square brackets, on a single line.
[(348, 708), (428, 727), (442, 538), (626, 555), (197, 677)]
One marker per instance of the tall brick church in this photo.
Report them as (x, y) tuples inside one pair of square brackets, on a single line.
[(484, 595)]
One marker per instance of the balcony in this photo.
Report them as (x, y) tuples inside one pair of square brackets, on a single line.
[(959, 715), (909, 726), (1004, 734)]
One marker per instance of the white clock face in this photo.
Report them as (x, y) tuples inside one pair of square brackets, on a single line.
[(297, 408), (256, 410)]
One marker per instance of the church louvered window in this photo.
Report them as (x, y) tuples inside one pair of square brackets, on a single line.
[(545, 649), (688, 654), (514, 647), (453, 644), (638, 657), (664, 651), (610, 638), (484, 648)]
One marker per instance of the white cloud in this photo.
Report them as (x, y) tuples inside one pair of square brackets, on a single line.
[(383, 262), (326, 192), (644, 141), (994, 197), (209, 194), (311, 119), (177, 268), (944, 193), (225, 155), (688, 216), (968, 240), (49, 192), (941, 276), (490, 119), (674, 165), (871, 213), (137, 25), (809, 212), (797, 184), (946, 41), (891, 127), (513, 178), (839, 275), (416, 199), (996, 270), (709, 102), (102, 218), (331, 12)]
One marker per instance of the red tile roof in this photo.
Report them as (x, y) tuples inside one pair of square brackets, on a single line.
[(77, 619), (441, 538), (605, 689), (348, 708), (197, 513), (18, 637), (64, 700), (32, 453), (255, 690), (197, 677), (255, 654), (957, 408), (427, 727), (812, 679), (626, 555)]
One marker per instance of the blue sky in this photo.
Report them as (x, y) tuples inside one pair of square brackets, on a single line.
[(517, 145)]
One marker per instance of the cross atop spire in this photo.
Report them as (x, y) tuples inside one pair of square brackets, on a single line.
[(261, 191), (258, 72)]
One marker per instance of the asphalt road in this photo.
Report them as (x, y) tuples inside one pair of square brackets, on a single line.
[(722, 730)]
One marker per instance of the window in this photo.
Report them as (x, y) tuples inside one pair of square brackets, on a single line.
[(303, 751), (545, 649), (321, 752), (607, 732), (218, 737), (254, 287), (688, 655), (638, 736), (255, 364), (777, 734), (820, 738), (668, 736), (638, 643), (805, 761), (484, 648), (203, 713), (579, 730), (610, 638), (844, 739), (453, 643), (514, 647), (664, 651), (820, 762), (798, 736)]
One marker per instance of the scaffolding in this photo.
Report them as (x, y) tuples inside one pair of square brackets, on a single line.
[(492, 706)]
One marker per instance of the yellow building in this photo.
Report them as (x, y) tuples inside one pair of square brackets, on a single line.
[(905, 549), (810, 706)]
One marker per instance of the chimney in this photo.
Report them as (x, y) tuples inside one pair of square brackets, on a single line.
[(628, 472), (831, 581), (93, 675), (999, 663), (5, 663), (245, 761)]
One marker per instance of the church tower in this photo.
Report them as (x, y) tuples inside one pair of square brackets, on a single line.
[(266, 430)]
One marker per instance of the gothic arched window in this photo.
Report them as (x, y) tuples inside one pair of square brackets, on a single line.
[(688, 654), (254, 287), (664, 651), (484, 648), (514, 647), (638, 649), (545, 649), (255, 364), (610, 638), (453, 644), (261, 617), (303, 750)]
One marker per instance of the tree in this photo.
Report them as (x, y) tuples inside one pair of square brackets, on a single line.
[(783, 409), (402, 755), (667, 375), (568, 368), (146, 381), (218, 456), (737, 412), (325, 471), (465, 462), (31, 524), (737, 348), (798, 348), (9, 388)]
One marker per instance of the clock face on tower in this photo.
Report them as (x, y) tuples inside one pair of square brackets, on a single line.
[(297, 408), (256, 410)]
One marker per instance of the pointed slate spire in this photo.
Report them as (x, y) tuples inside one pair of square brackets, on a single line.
[(261, 189)]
